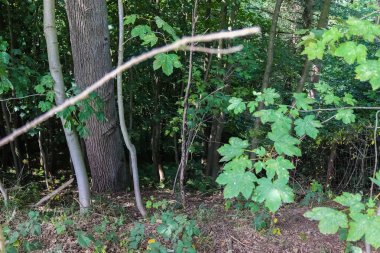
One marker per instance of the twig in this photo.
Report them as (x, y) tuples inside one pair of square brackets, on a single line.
[(19, 98), (132, 62), (54, 193)]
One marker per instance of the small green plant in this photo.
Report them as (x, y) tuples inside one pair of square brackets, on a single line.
[(157, 205), (136, 236), (313, 194), (23, 236)]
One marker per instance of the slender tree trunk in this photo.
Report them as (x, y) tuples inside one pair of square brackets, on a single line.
[(123, 126), (185, 136), (43, 159), (8, 130), (59, 89), (92, 60), (156, 133), (268, 70), (331, 165)]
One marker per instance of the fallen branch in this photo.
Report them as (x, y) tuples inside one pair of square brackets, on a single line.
[(132, 62), (54, 193)]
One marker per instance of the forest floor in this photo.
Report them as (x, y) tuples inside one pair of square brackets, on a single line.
[(221, 230)]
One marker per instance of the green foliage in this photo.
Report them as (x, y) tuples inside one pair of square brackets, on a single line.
[(23, 236), (167, 62), (237, 181), (313, 194), (341, 41), (307, 126), (361, 220), (136, 235), (235, 148)]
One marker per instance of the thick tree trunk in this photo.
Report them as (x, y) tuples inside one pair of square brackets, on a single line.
[(268, 70), (213, 155), (92, 60), (59, 89)]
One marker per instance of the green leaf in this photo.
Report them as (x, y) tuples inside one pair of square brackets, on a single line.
[(314, 50), (268, 96), (332, 35), (350, 52), (353, 201), (4, 58), (322, 87), (274, 193), (238, 163), (346, 115), (285, 143), (330, 220), (369, 70), (259, 166), (302, 101), (237, 105), (235, 148), (45, 106), (261, 152), (252, 106), (140, 31), (330, 98), (150, 38), (237, 181), (130, 19), (166, 27), (83, 239), (167, 62), (376, 180), (367, 226), (279, 166), (348, 99), (307, 126)]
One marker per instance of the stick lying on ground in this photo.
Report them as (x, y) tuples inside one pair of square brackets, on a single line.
[(54, 193), (132, 62)]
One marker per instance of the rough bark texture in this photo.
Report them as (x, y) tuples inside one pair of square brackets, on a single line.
[(215, 139), (59, 89), (90, 45), (268, 69)]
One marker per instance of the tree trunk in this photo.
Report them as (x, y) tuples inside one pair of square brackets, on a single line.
[(59, 89), (92, 60), (156, 132), (123, 125), (331, 165), (213, 155), (268, 70), (8, 130)]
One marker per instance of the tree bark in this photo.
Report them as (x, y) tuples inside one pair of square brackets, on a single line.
[(331, 165), (213, 155), (59, 89), (90, 45), (268, 70), (123, 125)]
